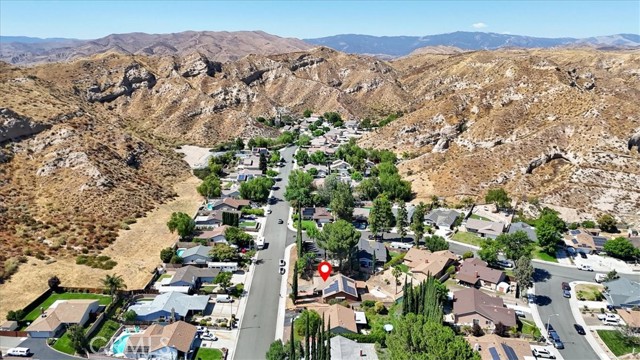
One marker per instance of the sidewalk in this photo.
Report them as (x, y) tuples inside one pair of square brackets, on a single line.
[(575, 310), (282, 304), (541, 325)]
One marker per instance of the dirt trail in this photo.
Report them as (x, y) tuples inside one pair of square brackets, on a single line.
[(136, 251)]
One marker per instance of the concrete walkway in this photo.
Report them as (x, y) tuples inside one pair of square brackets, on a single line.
[(283, 295), (575, 310)]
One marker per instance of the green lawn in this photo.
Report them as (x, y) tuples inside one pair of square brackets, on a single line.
[(208, 354), (104, 334), (208, 288), (478, 217), (104, 300), (165, 276), (528, 327), (616, 342), (403, 267), (467, 238), (63, 344), (247, 224), (539, 254), (306, 225)]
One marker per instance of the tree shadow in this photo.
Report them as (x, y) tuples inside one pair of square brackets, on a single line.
[(542, 300), (541, 275)]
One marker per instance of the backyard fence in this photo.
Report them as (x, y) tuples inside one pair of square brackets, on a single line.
[(14, 333)]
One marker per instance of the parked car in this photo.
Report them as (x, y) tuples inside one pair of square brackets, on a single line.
[(375, 237), (543, 353), (566, 293), (209, 336), (282, 262), (531, 298), (280, 221), (582, 255), (275, 188), (520, 313), (565, 286), (585, 267), (600, 277), (608, 316), (19, 351), (201, 329), (269, 211), (505, 264), (555, 339), (282, 271), (612, 322), (579, 329)]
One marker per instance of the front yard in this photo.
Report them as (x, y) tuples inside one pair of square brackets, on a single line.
[(306, 225), (63, 344), (467, 238), (208, 354), (541, 255), (104, 334), (617, 343), (589, 292), (103, 299)]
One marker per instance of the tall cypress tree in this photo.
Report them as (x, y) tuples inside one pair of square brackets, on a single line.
[(306, 340), (321, 340), (405, 295), (294, 285), (328, 339), (299, 231), (292, 343)]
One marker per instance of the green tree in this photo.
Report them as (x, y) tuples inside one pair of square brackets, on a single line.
[(15, 315), (607, 223), (416, 338), (294, 285), (286, 137), (501, 330), (467, 255), (417, 222), (396, 272), (393, 186), (489, 250), (182, 223), (262, 165), (224, 280), (304, 140), (238, 237), (129, 315), (166, 254), (307, 113), (589, 224), (523, 272), (215, 169), (77, 338), (275, 157), (113, 283), (342, 202), (548, 237), (369, 188), (318, 157), (298, 190), (210, 187), (313, 172), (515, 245), (312, 318), (339, 238), (176, 259), (223, 252), (54, 283), (239, 144), (402, 220), (381, 216), (436, 243), (256, 189), (550, 217), (356, 176), (251, 143), (499, 197), (276, 351), (621, 248), (302, 158), (611, 275)]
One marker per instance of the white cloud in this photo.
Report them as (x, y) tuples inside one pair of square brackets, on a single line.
[(479, 25)]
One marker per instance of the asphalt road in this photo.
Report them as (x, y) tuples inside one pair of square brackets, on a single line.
[(41, 351), (259, 324)]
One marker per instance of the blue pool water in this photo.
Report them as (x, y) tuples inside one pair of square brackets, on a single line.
[(179, 252), (119, 344)]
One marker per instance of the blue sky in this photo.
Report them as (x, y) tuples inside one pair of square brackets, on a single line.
[(308, 19)]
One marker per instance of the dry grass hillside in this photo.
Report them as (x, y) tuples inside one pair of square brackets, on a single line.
[(554, 124)]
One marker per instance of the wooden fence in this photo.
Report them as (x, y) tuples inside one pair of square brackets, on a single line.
[(14, 333)]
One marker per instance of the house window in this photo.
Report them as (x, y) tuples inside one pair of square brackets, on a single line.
[(488, 322), (476, 322)]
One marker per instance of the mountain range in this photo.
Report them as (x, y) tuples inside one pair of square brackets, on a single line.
[(229, 46)]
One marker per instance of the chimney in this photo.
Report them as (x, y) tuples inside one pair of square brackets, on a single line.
[(477, 275)]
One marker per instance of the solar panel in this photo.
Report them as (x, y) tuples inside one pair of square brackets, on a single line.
[(494, 353), (599, 240), (574, 232), (574, 241), (511, 354), (333, 287), (347, 288)]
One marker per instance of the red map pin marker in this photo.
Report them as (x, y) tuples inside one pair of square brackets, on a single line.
[(324, 268)]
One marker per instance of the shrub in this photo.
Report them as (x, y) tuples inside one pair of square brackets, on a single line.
[(395, 261), (368, 303), (467, 255)]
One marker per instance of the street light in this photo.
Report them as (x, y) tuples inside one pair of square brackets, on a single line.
[(548, 320)]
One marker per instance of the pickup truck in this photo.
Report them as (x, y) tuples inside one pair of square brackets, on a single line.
[(600, 277), (584, 267)]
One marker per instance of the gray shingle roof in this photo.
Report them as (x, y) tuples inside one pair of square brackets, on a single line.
[(180, 303), (189, 273), (197, 250), (367, 247), (345, 349), (520, 226), (622, 291), (442, 218)]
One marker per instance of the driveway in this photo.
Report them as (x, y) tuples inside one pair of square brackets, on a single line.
[(41, 351)]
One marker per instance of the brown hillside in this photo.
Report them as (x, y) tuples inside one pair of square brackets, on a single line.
[(553, 124)]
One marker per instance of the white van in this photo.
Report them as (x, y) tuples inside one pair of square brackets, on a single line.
[(610, 321), (19, 351), (223, 266), (401, 246), (224, 299), (600, 277)]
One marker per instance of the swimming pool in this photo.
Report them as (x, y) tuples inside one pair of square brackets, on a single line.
[(120, 343), (180, 251)]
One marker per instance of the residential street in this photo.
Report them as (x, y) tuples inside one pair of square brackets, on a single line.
[(258, 329)]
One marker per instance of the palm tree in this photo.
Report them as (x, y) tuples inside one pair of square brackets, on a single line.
[(113, 283), (396, 272)]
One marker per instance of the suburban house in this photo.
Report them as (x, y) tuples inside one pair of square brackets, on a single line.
[(256, 151), (173, 341), (421, 263), (248, 174), (232, 192), (215, 236), (208, 219), (345, 349), (351, 124), (307, 213), (442, 218), (170, 305), (631, 318), (475, 272), (622, 293), (488, 229), (9, 326), (472, 306), (342, 319), (193, 277), (340, 166), (584, 241), (251, 162), (60, 315), (197, 255), (322, 216), (322, 169), (340, 287), (410, 210), (361, 214), (528, 229), (366, 250), (494, 347), (227, 204), (319, 141)]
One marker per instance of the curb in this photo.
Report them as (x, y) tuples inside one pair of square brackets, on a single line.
[(577, 317), (282, 303)]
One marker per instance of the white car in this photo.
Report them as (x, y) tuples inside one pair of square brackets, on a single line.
[(269, 211), (201, 329), (609, 316), (584, 267), (600, 277), (543, 353), (209, 336), (519, 313)]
